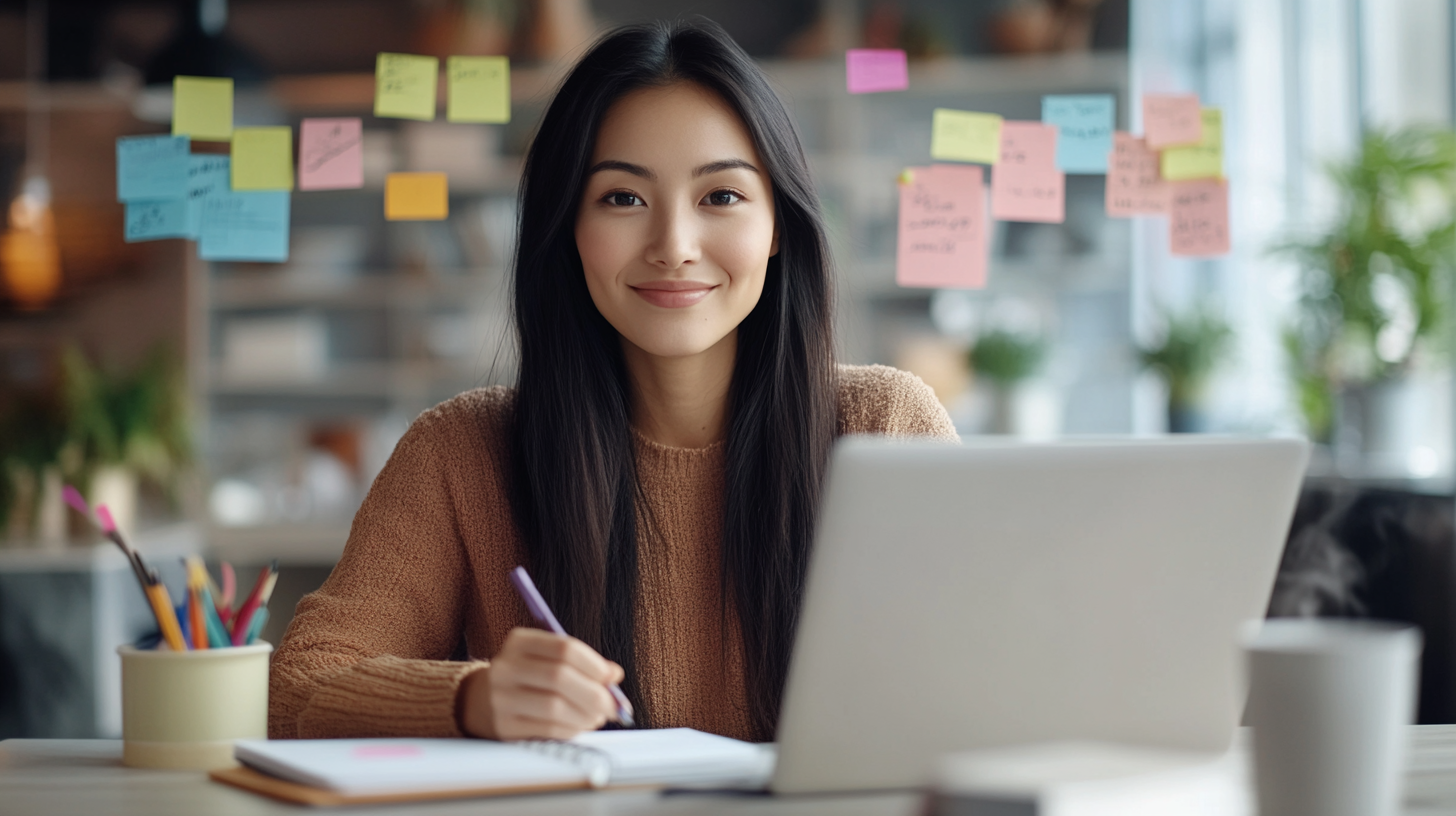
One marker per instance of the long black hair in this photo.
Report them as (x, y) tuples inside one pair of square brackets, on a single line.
[(576, 493)]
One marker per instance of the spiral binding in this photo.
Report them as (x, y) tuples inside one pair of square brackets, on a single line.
[(593, 762)]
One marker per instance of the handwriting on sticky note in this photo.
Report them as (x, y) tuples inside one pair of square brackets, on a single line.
[(331, 154), (1171, 119), (1026, 184), (478, 89), (151, 167), (966, 136), (152, 220), (207, 174), (942, 238), (873, 70), (1134, 184), (1084, 126), (1199, 218), (263, 158), (416, 197), (405, 85), (246, 226), (1203, 160), (202, 107)]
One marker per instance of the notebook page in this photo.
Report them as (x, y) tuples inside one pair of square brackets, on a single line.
[(680, 756), (363, 766)]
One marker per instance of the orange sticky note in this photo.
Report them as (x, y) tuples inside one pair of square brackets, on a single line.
[(1134, 185), (942, 240), (1199, 218), (1172, 119), (1026, 184), (416, 197)]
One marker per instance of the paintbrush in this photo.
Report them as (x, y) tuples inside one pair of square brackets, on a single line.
[(107, 526)]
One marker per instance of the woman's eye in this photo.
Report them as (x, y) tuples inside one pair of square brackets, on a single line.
[(722, 198), (623, 199)]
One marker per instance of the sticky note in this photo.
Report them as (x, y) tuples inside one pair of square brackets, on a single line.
[(202, 107), (151, 220), (245, 226), (872, 70), (1084, 126), (1198, 220), (331, 154), (263, 158), (1203, 160), (943, 235), (151, 167), (405, 85), (208, 174), (965, 136), (478, 89), (1135, 184), (416, 197), (1026, 184), (1171, 119)]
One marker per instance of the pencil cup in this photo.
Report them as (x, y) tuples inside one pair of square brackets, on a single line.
[(185, 709)]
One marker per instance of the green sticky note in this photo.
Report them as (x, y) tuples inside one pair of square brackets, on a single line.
[(263, 158), (479, 89), (1201, 161), (404, 86), (202, 107), (965, 136)]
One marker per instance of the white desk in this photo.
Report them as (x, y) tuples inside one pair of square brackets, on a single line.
[(46, 777)]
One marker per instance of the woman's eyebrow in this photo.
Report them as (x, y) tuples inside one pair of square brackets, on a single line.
[(723, 164), (625, 167)]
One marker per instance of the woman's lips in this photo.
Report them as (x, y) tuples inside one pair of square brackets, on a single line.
[(673, 294)]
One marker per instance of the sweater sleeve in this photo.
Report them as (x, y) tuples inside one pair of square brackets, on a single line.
[(879, 399), (365, 655)]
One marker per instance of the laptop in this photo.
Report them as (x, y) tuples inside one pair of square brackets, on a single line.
[(1001, 594)]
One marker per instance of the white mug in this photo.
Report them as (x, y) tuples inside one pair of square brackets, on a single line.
[(1331, 702)]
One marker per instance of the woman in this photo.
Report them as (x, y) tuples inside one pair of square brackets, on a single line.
[(658, 466)]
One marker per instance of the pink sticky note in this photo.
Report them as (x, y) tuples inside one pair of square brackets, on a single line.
[(1199, 218), (942, 227), (331, 154), (1026, 184), (871, 70), (1171, 119), (1134, 186)]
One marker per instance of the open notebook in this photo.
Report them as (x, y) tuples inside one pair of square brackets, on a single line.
[(347, 771)]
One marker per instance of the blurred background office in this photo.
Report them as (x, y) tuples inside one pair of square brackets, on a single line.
[(241, 410)]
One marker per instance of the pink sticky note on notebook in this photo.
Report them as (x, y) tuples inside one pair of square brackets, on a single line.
[(1026, 184), (942, 241), (871, 70), (331, 154), (1171, 119), (1198, 220), (1134, 186)]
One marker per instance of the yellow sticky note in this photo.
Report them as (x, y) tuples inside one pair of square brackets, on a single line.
[(965, 136), (416, 197), (262, 158), (202, 107), (479, 89), (404, 86), (1201, 161)]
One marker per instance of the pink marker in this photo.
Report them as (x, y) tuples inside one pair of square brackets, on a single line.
[(542, 613)]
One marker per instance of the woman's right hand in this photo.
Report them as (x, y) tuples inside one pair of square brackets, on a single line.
[(540, 686)]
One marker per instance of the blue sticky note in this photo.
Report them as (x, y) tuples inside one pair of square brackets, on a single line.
[(209, 173), (1084, 130), (245, 226), (153, 220), (151, 167)]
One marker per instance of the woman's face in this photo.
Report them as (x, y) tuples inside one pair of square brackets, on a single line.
[(676, 225)]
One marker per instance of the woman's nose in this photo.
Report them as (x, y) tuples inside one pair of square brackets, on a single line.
[(674, 240)]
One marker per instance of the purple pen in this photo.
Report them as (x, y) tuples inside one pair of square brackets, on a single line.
[(526, 588)]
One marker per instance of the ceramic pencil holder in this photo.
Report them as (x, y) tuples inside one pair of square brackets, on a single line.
[(185, 709)]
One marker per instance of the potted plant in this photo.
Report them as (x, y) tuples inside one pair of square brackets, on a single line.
[(1006, 360), (1190, 350), (32, 438), (1373, 283)]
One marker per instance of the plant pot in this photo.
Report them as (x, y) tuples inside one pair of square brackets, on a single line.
[(116, 487), (1378, 425), (1185, 419), (1028, 410)]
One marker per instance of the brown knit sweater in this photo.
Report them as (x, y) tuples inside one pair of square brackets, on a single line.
[(427, 559)]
